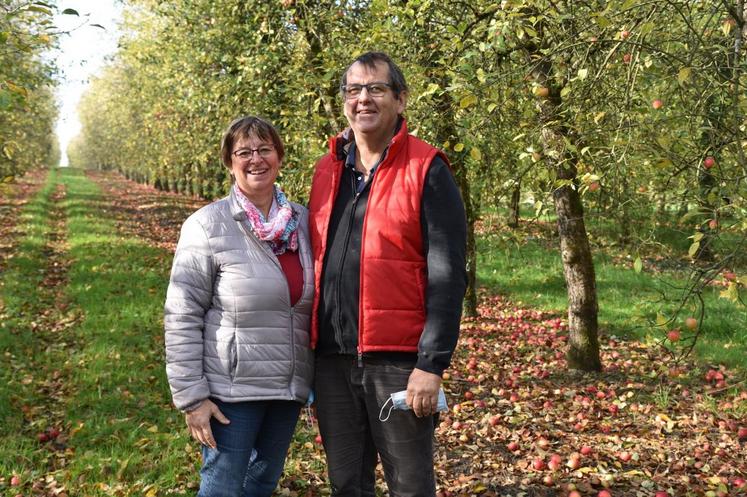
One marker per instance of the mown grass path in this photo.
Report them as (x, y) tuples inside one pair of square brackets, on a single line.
[(85, 408)]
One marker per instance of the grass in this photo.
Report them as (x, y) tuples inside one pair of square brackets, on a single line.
[(527, 268), (83, 352), (81, 347)]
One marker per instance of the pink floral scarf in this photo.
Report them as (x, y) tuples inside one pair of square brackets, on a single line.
[(280, 229)]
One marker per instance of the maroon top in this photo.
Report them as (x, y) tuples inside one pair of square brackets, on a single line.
[(291, 264)]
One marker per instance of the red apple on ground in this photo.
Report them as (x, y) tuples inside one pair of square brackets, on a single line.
[(729, 276), (15, 481), (627, 58), (709, 162), (574, 493), (494, 420), (742, 433), (548, 480), (662, 493), (513, 446), (538, 464), (657, 104), (604, 493), (586, 450), (469, 395), (42, 437), (318, 439), (594, 186), (624, 456)]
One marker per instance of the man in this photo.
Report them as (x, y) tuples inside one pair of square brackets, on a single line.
[(389, 239)]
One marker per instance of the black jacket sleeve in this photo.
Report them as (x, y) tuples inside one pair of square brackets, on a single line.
[(445, 242)]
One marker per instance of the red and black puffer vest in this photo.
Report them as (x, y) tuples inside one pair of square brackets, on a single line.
[(393, 278)]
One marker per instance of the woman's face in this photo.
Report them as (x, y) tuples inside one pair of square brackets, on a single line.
[(255, 165)]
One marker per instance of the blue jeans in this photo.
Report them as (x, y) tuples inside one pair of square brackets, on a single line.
[(251, 450)]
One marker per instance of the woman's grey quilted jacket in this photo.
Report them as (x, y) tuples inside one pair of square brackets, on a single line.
[(231, 332)]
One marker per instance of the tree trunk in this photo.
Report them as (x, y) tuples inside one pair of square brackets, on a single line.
[(447, 132), (513, 212), (578, 265), (470, 297)]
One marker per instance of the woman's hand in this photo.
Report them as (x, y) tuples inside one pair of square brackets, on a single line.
[(199, 422)]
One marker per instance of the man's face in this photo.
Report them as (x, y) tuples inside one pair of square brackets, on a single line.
[(373, 116)]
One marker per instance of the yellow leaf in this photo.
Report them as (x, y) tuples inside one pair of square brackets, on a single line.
[(731, 292), (683, 75), (468, 101), (152, 492), (475, 153), (693, 249), (458, 147), (661, 320), (153, 429)]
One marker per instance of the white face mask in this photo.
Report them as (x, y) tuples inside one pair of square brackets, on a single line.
[(399, 401)]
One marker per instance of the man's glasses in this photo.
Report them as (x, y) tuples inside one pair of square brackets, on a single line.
[(374, 90), (245, 154)]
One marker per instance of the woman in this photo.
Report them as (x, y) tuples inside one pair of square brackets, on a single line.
[(237, 319)]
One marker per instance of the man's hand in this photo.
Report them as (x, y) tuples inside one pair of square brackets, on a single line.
[(199, 422), (422, 392)]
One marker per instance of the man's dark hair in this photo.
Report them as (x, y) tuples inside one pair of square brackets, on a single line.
[(370, 59)]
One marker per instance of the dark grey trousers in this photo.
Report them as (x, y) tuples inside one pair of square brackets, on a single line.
[(348, 402)]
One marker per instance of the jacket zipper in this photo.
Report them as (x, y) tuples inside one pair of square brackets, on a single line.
[(338, 297), (275, 261)]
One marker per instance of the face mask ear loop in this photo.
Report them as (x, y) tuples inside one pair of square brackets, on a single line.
[(381, 412)]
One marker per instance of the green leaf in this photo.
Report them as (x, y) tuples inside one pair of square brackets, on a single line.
[(70, 12), (492, 107), (602, 22), (638, 264), (693, 249), (98, 26), (697, 237), (661, 320), (5, 100), (41, 10)]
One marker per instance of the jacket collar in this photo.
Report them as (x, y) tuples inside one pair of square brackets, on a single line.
[(237, 212), (340, 144)]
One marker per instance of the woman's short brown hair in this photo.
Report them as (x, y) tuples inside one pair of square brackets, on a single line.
[(249, 126)]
